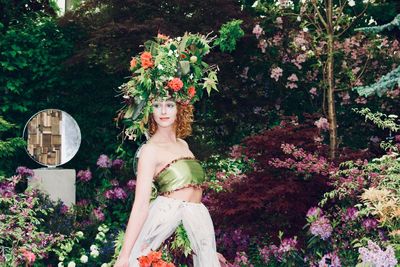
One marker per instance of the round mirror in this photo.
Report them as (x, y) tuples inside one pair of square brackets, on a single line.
[(53, 137)]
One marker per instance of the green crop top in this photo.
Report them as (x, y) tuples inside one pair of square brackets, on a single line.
[(180, 173)]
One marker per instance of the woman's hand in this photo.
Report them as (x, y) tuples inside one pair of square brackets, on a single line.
[(122, 262), (222, 260)]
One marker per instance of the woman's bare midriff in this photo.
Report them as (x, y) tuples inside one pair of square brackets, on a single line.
[(189, 194)]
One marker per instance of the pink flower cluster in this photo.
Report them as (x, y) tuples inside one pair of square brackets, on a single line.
[(322, 124), (98, 213), (373, 255), (104, 161), (350, 214), (276, 73), (272, 251), (303, 163), (24, 172), (84, 175), (321, 227), (116, 193), (241, 259)]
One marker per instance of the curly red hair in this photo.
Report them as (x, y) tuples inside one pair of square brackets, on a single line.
[(183, 122)]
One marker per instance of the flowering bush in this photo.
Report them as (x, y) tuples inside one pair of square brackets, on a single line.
[(154, 259)]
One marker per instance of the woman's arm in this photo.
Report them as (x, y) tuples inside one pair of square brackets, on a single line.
[(145, 172)]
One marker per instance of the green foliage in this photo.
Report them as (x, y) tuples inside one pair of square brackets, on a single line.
[(8, 147), (230, 33), (31, 63)]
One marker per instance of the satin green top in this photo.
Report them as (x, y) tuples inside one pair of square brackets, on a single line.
[(180, 173)]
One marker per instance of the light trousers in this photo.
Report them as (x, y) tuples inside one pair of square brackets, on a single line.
[(165, 215)]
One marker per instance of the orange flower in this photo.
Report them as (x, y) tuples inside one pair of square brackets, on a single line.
[(145, 261), (155, 255), (175, 84), (133, 62), (146, 59), (191, 91), (183, 56)]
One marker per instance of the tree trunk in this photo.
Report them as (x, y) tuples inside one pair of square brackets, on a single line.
[(331, 86)]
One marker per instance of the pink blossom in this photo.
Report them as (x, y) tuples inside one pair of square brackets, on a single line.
[(104, 162), (119, 193), (262, 44), (236, 151), (98, 214), (314, 212), (293, 78), (291, 85), (322, 123), (257, 30), (117, 164), (313, 91), (276, 73), (84, 175), (321, 227), (131, 184)]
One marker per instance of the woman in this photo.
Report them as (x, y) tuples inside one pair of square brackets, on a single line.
[(167, 159)]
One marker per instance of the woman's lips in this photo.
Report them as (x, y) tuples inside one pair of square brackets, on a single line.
[(164, 119)]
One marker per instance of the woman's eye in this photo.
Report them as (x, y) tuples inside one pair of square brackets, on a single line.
[(171, 105), (155, 105)]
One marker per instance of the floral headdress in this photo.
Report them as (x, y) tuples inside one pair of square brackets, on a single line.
[(166, 68)]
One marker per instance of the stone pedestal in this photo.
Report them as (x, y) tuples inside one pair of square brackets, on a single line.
[(58, 183)]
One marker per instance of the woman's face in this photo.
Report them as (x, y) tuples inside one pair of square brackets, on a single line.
[(164, 111)]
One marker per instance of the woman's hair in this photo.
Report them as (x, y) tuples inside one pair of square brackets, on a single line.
[(183, 122)]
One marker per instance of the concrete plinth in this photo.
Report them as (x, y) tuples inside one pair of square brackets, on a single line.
[(58, 183)]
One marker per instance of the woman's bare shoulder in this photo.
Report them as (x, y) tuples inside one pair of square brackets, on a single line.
[(184, 142), (147, 151)]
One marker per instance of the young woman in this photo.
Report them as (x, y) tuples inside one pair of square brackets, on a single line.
[(167, 161)]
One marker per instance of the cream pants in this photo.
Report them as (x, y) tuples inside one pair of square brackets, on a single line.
[(165, 215)]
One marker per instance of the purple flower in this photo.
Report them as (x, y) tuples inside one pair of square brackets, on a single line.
[(84, 175), (321, 227), (350, 214), (314, 212), (63, 209), (117, 164), (287, 244), (333, 260), (98, 214), (119, 193), (24, 172), (375, 256), (370, 224), (131, 184), (104, 162)]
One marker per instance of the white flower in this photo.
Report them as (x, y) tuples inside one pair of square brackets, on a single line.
[(84, 258), (393, 116), (80, 233), (191, 76), (179, 39), (93, 247), (305, 29), (71, 264), (352, 3), (94, 253), (298, 18), (61, 258), (160, 67), (170, 52), (104, 265), (371, 21), (60, 264)]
